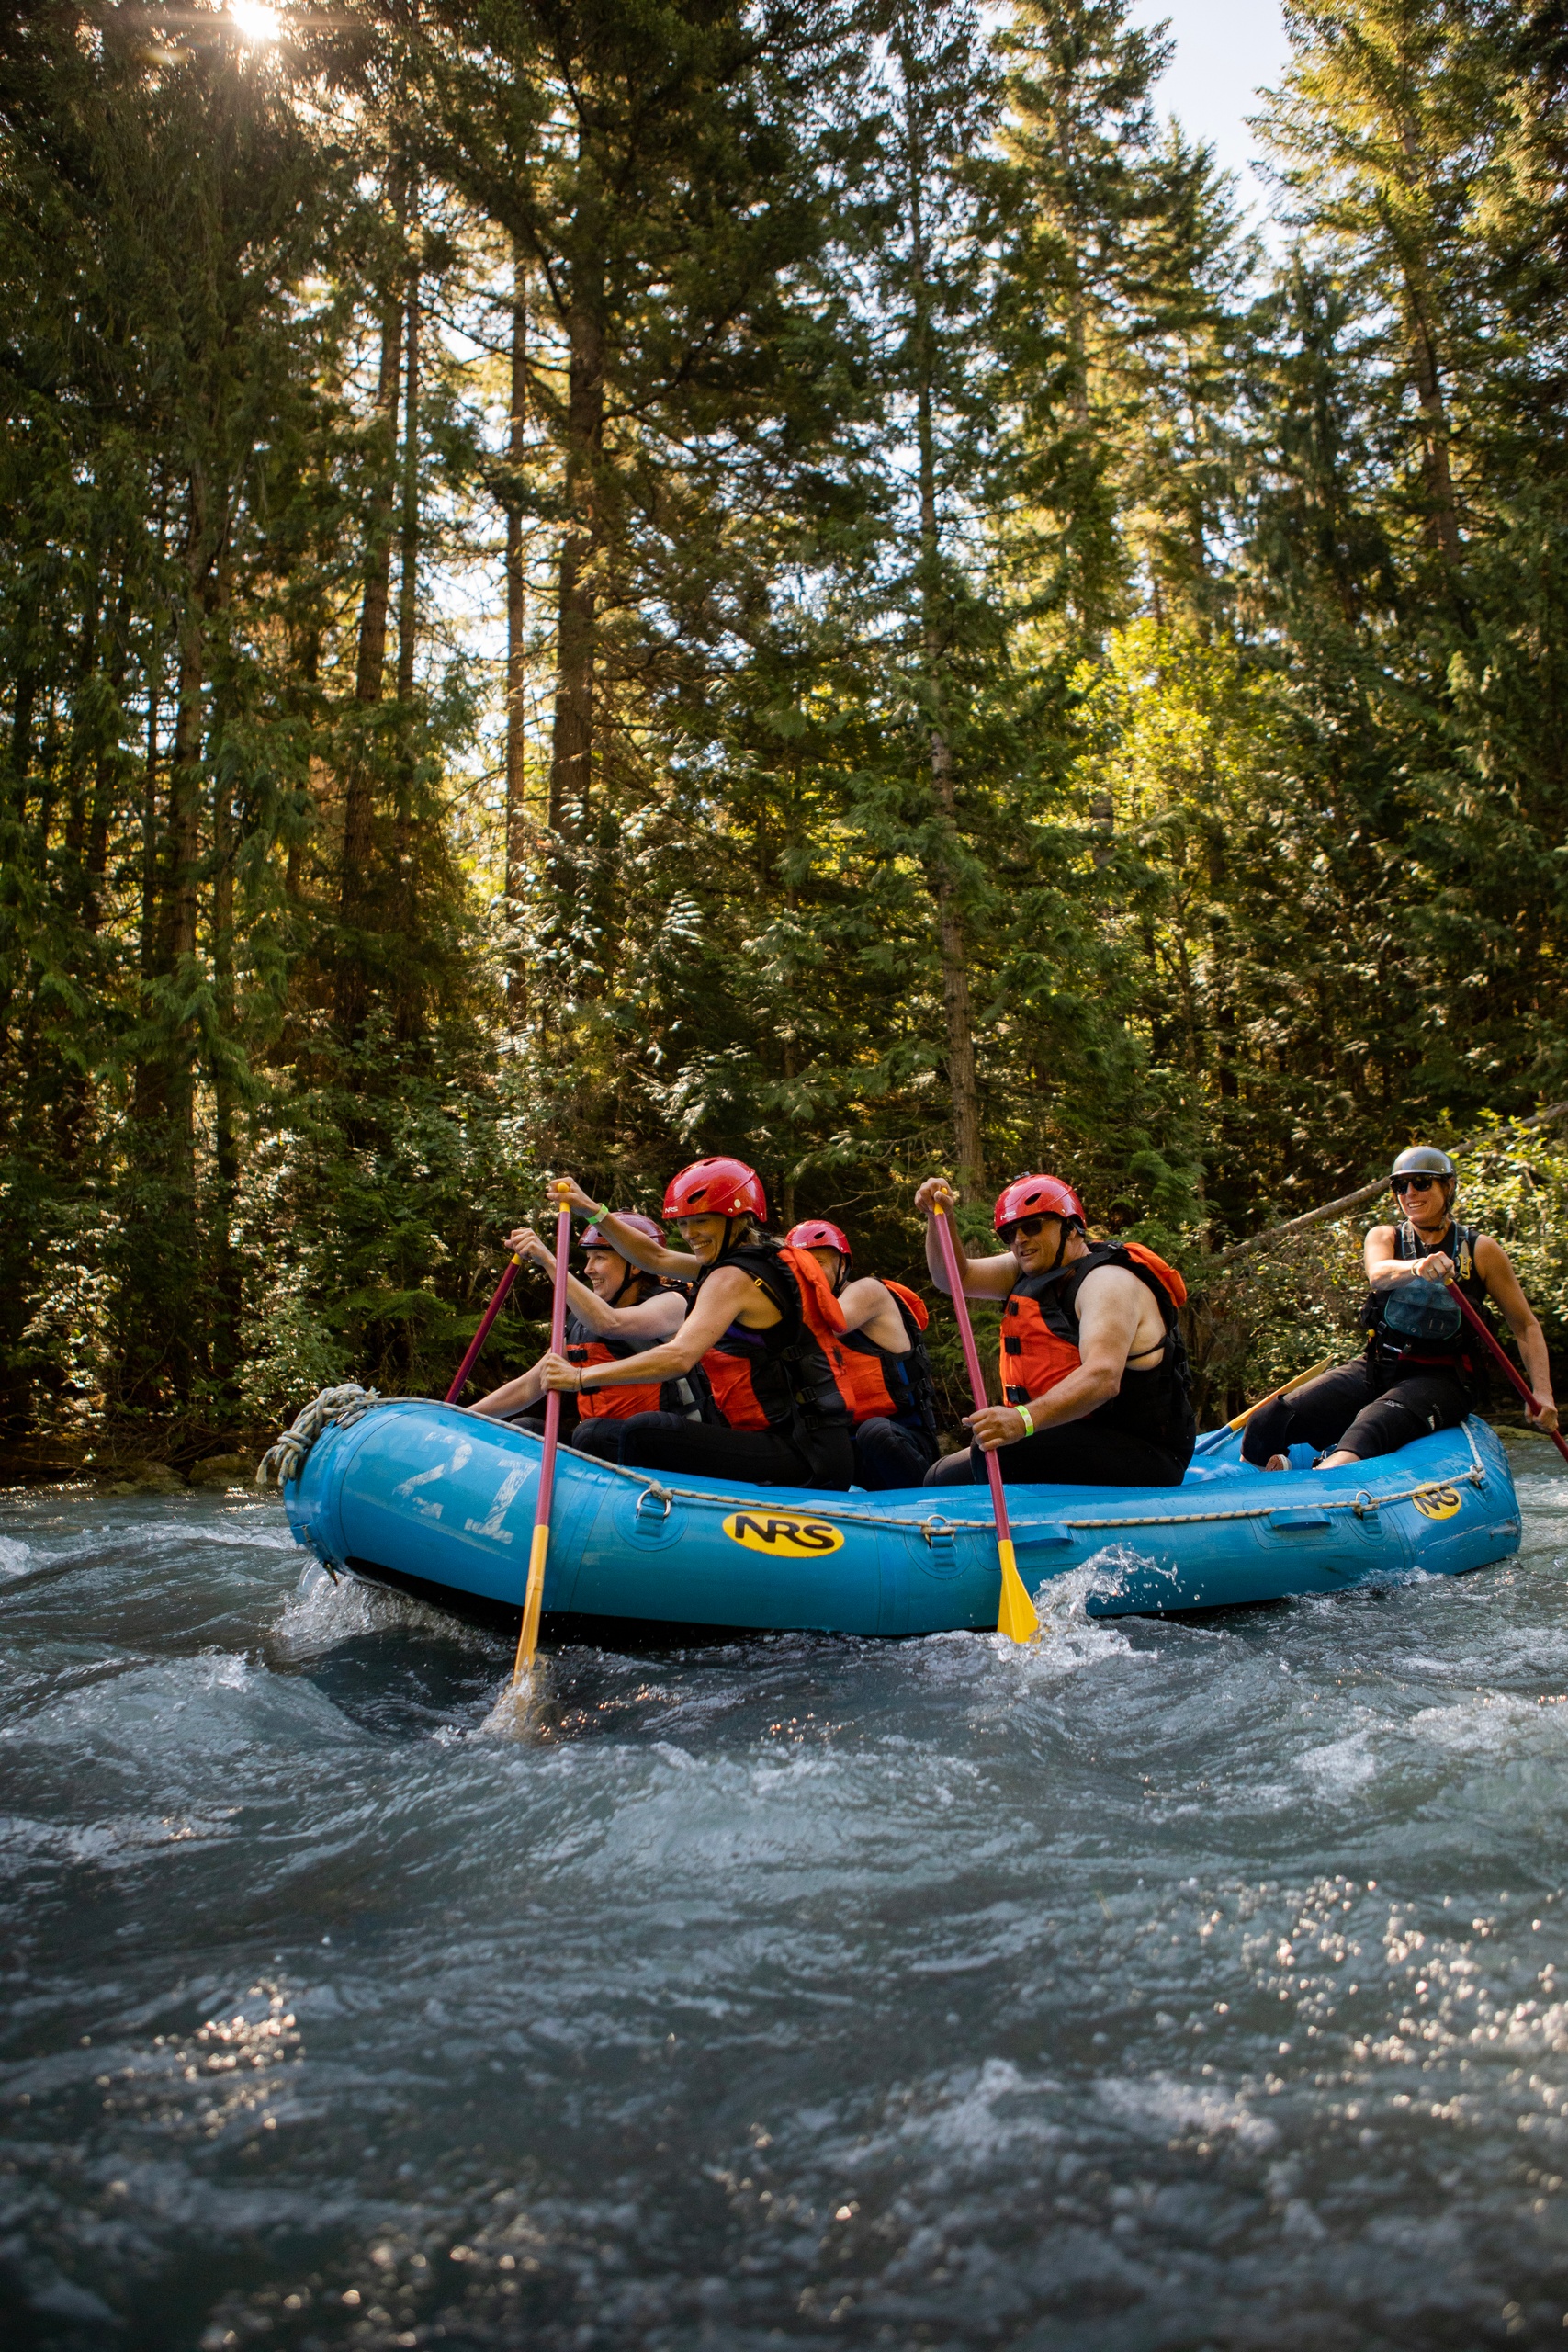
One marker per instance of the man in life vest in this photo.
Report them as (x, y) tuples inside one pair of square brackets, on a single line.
[(763, 1325), (1093, 1368), (618, 1315), (1424, 1368), (892, 1396)]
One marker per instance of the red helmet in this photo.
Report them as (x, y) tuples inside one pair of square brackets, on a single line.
[(817, 1234), (1037, 1196), (716, 1188), (594, 1240)]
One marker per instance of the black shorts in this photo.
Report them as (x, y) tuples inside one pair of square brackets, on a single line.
[(1073, 1455), (890, 1453), (1361, 1408), (706, 1450)]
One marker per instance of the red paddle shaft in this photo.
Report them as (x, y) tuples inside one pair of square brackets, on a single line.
[(1517, 1382), (972, 1363), (482, 1334)]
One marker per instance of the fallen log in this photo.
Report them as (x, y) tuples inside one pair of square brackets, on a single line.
[(1350, 1202)]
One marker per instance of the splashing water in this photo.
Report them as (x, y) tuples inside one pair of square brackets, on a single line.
[(1166, 1984)]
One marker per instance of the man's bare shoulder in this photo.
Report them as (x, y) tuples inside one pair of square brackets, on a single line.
[(1108, 1282)]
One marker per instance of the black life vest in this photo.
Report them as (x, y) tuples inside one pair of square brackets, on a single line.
[(1040, 1347), (1416, 1327), (786, 1379), (886, 1386)]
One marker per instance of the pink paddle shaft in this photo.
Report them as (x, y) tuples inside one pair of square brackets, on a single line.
[(553, 1395), (1522, 1385), (482, 1334), (972, 1359)]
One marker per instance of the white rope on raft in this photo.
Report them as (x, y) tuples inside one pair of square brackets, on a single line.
[(333, 1408)]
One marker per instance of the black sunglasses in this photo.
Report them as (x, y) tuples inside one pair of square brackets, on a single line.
[(1415, 1183), (1028, 1226)]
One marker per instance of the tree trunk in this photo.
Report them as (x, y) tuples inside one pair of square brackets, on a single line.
[(359, 787), (516, 607), (225, 1098), (161, 1225), (572, 756), (405, 991), (942, 876)]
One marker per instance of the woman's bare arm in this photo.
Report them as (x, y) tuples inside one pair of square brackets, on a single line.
[(728, 1296), (627, 1239), (516, 1396), (1496, 1269)]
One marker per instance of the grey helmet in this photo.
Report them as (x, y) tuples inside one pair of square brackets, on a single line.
[(1424, 1159)]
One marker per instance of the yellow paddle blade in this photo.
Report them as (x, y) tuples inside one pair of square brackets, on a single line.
[(1016, 1618), (528, 1636)]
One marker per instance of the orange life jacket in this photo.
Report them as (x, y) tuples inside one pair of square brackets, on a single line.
[(1039, 1339), (585, 1346), (793, 1377), (886, 1386)]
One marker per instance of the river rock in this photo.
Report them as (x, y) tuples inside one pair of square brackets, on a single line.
[(143, 1478), (223, 1470)]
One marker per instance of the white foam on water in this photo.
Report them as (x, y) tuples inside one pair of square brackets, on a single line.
[(321, 1613), (1339, 1765), (1161, 2105), (968, 2121), (14, 1556), (1487, 1723), (252, 1528), (116, 1842)]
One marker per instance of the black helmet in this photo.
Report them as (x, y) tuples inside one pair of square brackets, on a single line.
[(1422, 1160)]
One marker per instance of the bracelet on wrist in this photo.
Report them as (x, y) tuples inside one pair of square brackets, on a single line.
[(1027, 1418)]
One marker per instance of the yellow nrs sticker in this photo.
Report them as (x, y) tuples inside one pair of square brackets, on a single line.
[(782, 1535), (1438, 1502)]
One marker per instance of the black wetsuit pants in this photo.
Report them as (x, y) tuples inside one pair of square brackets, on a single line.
[(1364, 1409), (707, 1449), (890, 1453), (1073, 1455)]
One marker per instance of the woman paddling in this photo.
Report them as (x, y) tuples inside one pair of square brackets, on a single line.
[(762, 1324), (619, 1315), (1421, 1370)]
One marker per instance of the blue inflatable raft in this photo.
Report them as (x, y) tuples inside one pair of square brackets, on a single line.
[(441, 1502)]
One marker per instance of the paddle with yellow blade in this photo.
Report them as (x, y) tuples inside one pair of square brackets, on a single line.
[(1016, 1618), (533, 1598), (1211, 1438)]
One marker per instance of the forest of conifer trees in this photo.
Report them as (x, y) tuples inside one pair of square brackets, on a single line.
[(589, 580)]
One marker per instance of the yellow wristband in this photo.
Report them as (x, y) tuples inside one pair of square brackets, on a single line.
[(1027, 1418)]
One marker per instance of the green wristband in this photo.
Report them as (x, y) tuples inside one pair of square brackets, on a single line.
[(1027, 1418)]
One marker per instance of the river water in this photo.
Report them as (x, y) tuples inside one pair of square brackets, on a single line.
[(1167, 1985)]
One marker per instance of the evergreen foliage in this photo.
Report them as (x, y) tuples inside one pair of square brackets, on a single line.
[(584, 585)]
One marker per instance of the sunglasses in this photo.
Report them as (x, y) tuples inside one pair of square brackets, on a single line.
[(1028, 1226), (1415, 1183)]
